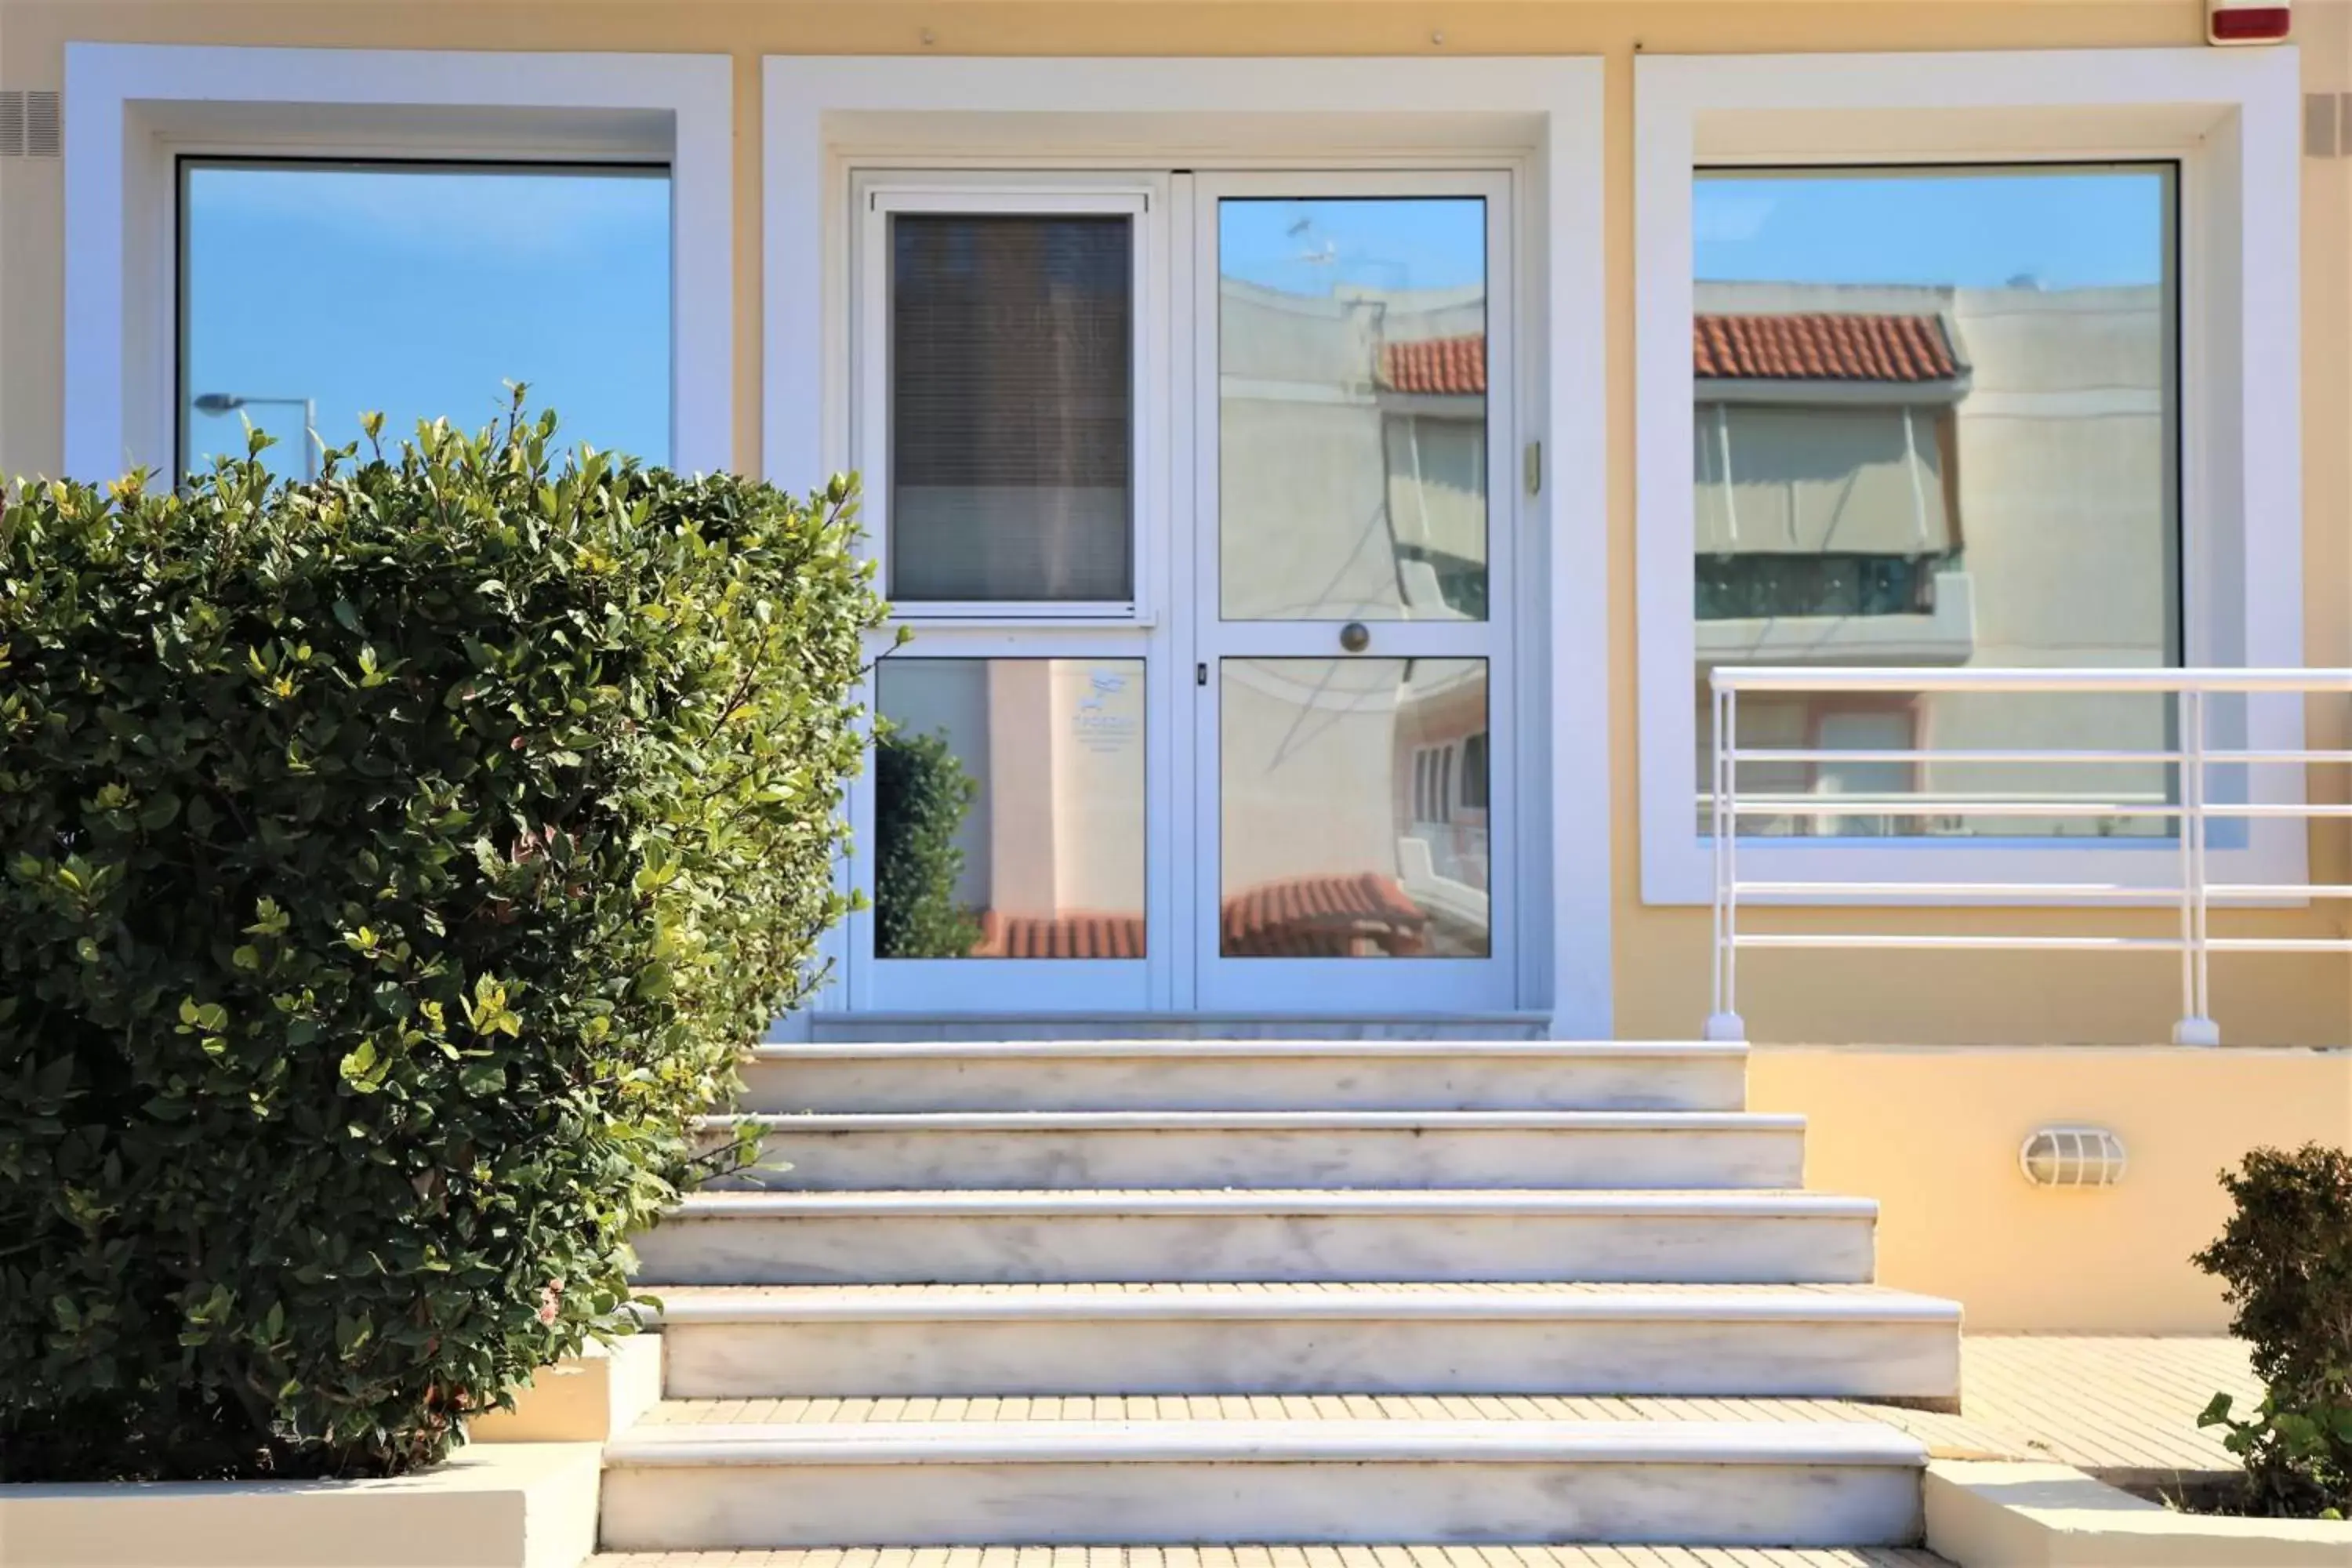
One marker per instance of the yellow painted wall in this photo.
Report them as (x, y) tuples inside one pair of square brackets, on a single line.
[(1933, 1135), (1660, 954)]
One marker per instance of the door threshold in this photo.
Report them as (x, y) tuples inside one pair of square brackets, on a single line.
[(845, 1027)]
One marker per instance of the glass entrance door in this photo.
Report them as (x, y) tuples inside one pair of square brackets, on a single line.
[(1352, 804), (1195, 493)]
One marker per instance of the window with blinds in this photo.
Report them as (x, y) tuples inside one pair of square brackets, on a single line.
[(1011, 415)]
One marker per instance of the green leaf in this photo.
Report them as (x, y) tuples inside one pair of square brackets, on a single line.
[(358, 1067)]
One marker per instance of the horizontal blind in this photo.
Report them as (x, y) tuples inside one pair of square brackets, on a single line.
[(1011, 439)]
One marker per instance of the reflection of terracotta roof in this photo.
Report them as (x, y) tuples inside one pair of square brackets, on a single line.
[(1822, 346), (1323, 917), (1084, 934), (1443, 367)]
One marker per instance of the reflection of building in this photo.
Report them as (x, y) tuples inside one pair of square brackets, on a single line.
[(1392, 753), (1352, 428), (1052, 847), (1933, 475)]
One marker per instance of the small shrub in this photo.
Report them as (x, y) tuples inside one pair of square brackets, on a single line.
[(2286, 1259), (921, 795), (390, 867)]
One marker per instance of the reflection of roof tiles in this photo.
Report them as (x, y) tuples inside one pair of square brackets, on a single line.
[(1323, 917), (1789, 346), (1078, 935), (1300, 917), (1443, 367), (1822, 346)]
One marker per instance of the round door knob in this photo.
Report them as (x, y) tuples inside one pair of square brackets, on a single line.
[(1355, 637)]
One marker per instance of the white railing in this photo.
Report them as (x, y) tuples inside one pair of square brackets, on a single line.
[(2191, 755)]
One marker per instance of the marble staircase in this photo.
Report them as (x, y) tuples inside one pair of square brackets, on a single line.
[(1241, 1291)]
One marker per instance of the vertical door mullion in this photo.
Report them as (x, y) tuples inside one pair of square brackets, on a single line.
[(1174, 940)]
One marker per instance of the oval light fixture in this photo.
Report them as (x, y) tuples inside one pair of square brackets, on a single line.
[(2072, 1157)]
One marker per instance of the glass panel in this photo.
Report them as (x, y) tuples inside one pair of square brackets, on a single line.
[(1355, 821), (1011, 430), (1351, 410), (1937, 424), (417, 291), (1009, 808)]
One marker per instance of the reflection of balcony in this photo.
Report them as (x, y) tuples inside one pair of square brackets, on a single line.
[(1942, 632), (1445, 877)]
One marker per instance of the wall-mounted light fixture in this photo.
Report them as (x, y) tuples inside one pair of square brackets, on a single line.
[(2072, 1157)]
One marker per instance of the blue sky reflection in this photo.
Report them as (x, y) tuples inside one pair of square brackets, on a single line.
[(417, 290)]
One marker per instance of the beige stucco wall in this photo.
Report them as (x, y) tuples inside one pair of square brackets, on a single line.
[(1932, 1134), (1659, 954)]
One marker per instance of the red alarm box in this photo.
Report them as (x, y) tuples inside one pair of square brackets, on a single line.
[(2246, 21)]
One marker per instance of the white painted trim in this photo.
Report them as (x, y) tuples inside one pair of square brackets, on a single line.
[(130, 108), (2229, 119), (825, 115)]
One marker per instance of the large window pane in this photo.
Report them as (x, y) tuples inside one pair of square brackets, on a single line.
[(1354, 808), (1010, 430), (1936, 426), (1351, 408), (417, 290), (1009, 808)]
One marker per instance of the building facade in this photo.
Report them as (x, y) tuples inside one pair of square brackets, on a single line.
[(1322, 452)]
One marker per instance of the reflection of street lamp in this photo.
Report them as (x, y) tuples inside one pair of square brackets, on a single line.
[(230, 402)]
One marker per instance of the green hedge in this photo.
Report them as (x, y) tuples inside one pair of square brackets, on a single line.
[(922, 794), (394, 864), (2285, 1260)]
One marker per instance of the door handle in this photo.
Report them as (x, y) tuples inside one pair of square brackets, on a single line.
[(1355, 637)]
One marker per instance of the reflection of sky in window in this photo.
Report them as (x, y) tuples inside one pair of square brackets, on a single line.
[(2070, 228), (417, 292), (1316, 247)]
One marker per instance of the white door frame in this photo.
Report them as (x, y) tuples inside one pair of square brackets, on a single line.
[(826, 117), (1400, 987)]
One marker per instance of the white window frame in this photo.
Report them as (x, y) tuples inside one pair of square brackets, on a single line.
[(2228, 119), (1144, 203), (131, 110)]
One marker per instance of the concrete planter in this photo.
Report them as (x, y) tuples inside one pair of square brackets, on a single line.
[(505, 1505), (586, 1399), (2049, 1516)]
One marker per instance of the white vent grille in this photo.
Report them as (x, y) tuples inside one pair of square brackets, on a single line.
[(29, 125)]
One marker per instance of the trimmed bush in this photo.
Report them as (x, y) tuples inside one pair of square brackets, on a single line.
[(394, 864), (2286, 1259), (921, 795)]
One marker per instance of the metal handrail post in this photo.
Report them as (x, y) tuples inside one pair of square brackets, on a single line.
[(2196, 1026), (1724, 1023)]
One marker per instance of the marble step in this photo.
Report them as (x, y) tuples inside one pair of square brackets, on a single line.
[(1047, 1238), (691, 1486), (1262, 1554), (1383, 1148), (948, 1341), (1246, 1075)]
